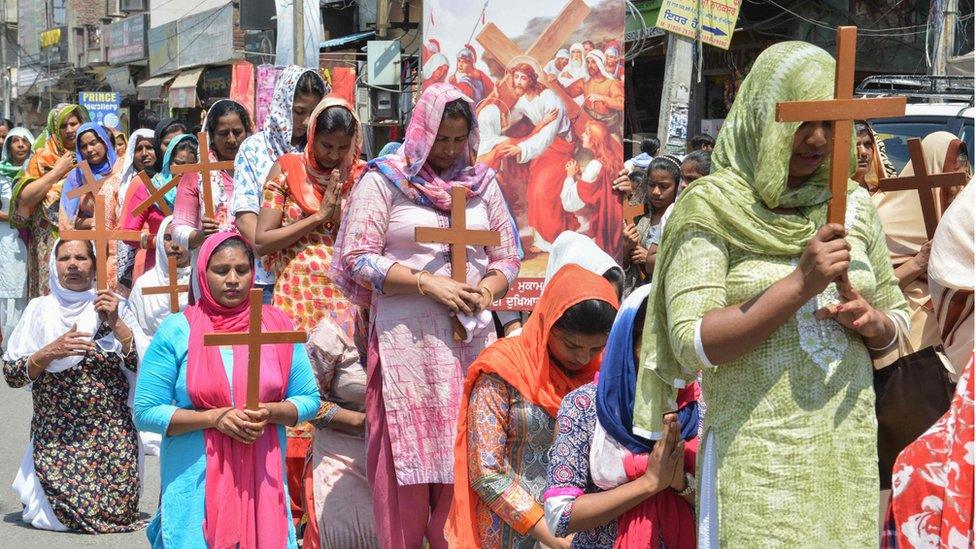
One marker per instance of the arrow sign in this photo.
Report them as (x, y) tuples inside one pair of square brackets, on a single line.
[(714, 30)]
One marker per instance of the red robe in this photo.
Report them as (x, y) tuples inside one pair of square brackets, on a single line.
[(546, 174)]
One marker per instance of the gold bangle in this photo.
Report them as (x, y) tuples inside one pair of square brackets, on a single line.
[(420, 277), (491, 295)]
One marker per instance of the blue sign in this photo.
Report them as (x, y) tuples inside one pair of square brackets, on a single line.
[(103, 107)]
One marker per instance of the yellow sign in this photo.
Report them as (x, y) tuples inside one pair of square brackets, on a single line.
[(711, 21), (51, 37)]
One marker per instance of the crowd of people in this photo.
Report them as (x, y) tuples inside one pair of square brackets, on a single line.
[(712, 385)]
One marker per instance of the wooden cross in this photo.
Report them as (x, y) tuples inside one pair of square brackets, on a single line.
[(173, 289), (502, 48), (156, 196), (459, 237), (924, 183), (203, 167), (842, 110), (254, 338), (101, 236), (631, 209), (91, 185)]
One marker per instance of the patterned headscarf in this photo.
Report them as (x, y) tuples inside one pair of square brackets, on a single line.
[(736, 202), (407, 169)]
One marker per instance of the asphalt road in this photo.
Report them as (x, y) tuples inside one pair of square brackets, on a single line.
[(15, 411)]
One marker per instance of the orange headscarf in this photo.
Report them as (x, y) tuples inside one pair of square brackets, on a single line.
[(524, 363), (306, 180)]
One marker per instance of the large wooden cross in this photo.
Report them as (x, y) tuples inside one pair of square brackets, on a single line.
[(173, 289), (203, 167), (91, 185), (842, 110), (101, 236), (155, 195), (459, 237), (502, 48), (925, 183), (254, 338)]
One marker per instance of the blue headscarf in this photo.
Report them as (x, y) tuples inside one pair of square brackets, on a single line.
[(165, 173), (75, 178), (617, 386)]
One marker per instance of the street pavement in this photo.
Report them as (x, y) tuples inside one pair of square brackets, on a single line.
[(15, 416)]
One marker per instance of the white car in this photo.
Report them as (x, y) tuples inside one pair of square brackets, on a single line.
[(920, 120)]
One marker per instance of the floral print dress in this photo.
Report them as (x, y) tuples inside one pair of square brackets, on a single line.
[(303, 288), (86, 448)]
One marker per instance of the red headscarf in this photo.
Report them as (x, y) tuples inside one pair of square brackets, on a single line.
[(524, 363), (245, 500)]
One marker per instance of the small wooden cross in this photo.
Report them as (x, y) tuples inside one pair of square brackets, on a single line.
[(924, 183), (173, 289), (203, 167), (91, 185), (631, 209), (842, 110), (254, 338), (101, 236), (155, 195), (459, 237)]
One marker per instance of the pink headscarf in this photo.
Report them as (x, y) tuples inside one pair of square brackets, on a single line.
[(244, 482), (407, 168)]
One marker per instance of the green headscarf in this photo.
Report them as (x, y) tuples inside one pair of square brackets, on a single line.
[(8, 168), (736, 202)]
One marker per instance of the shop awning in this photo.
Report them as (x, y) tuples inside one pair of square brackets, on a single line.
[(152, 89), (346, 40), (183, 90)]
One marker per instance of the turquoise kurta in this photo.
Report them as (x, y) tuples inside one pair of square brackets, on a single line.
[(792, 422), (160, 391)]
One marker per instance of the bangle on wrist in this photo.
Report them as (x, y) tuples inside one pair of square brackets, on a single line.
[(487, 291), (890, 344), (420, 278)]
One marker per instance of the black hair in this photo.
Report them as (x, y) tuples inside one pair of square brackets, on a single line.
[(701, 140), (88, 246), (335, 119), (589, 317), (666, 163), (615, 276), (186, 144), (235, 242), (650, 145), (640, 318), (459, 108), (702, 160), (310, 83), (222, 109), (7, 122), (147, 119), (175, 127)]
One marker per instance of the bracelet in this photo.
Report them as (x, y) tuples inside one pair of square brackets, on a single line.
[(689, 486), (420, 277), (894, 339), (491, 295), (144, 241)]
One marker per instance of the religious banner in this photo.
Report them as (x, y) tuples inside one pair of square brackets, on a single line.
[(547, 79)]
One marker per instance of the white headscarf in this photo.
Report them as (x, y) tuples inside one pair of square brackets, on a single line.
[(435, 62), (951, 260), (490, 126), (572, 248), (550, 67), (151, 310), (128, 165), (576, 69), (601, 62), (49, 317)]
